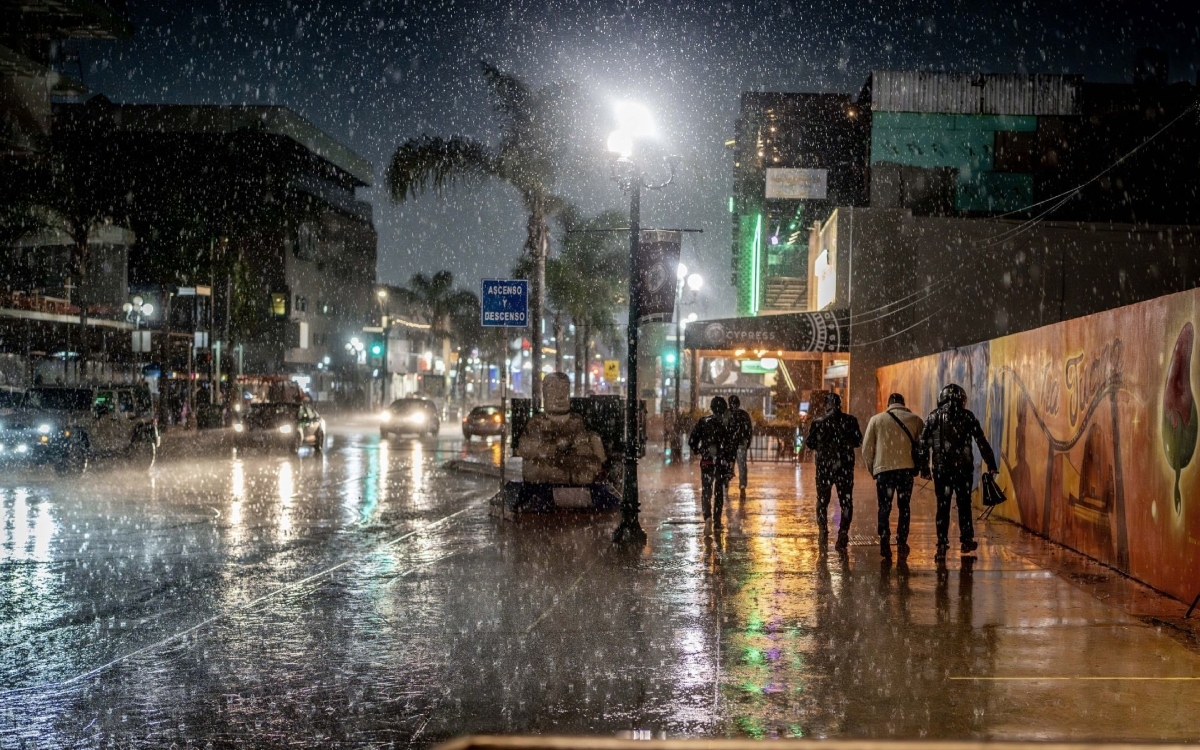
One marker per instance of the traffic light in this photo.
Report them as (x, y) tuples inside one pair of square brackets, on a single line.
[(669, 358), (376, 349)]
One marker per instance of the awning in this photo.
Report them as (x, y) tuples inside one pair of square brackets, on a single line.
[(826, 331)]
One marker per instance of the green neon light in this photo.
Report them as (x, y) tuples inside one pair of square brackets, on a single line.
[(755, 261), (731, 204)]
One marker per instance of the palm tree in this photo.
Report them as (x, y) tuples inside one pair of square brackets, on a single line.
[(531, 144), (593, 267), (452, 314)]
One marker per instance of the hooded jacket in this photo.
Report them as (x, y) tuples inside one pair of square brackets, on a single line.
[(947, 437), (834, 436)]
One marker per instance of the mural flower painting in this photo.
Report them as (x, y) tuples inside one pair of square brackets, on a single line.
[(1179, 409)]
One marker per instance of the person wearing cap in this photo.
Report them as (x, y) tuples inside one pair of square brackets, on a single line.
[(743, 432), (833, 437), (713, 441), (949, 432), (893, 455)]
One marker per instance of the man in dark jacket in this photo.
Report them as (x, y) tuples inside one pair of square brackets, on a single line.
[(743, 432), (947, 437), (833, 437), (713, 441)]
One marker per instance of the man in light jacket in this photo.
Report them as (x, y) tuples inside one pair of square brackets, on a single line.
[(891, 439)]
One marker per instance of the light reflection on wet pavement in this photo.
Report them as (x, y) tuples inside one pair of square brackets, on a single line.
[(368, 597)]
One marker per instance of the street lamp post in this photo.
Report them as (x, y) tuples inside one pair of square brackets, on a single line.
[(382, 296), (693, 282), (633, 122)]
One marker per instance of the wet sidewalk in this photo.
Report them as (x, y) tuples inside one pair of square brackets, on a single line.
[(1023, 640)]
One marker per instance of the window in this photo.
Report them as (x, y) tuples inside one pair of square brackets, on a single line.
[(105, 403), (1014, 151), (306, 242), (279, 304)]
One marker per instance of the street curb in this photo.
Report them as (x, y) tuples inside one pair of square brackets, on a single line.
[(472, 467)]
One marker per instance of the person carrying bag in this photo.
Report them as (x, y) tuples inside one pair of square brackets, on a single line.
[(894, 455)]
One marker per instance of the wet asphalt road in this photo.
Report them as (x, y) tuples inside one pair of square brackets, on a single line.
[(367, 598)]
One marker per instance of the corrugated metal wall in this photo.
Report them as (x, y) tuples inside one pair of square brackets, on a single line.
[(972, 94)]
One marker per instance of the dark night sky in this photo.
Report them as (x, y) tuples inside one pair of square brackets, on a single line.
[(376, 72)]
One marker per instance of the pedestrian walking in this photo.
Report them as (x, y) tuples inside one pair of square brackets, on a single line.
[(949, 432), (712, 440), (743, 432), (893, 454), (833, 437)]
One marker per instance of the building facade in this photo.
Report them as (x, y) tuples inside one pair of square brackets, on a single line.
[(796, 157)]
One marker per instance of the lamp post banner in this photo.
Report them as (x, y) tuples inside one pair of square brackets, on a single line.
[(826, 331), (657, 261)]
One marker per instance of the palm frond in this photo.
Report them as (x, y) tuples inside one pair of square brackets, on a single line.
[(510, 94), (438, 163)]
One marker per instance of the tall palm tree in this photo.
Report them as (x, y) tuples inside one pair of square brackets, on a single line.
[(532, 141), (452, 314), (594, 269)]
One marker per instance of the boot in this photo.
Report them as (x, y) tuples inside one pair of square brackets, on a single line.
[(902, 547), (843, 541), (885, 546), (969, 547), (942, 547)]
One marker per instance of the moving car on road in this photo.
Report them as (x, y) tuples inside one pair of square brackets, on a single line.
[(68, 426), (485, 421), (410, 416), (279, 424)]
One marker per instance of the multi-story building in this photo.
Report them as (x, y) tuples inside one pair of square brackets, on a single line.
[(796, 157), (258, 204)]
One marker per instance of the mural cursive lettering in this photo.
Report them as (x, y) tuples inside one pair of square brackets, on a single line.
[(1085, 379)]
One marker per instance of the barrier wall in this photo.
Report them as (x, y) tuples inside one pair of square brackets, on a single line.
[(1094, 422)]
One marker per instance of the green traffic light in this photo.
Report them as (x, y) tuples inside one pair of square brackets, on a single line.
[(376, 349), (670, 359)]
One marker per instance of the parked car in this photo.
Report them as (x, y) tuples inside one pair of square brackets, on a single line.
[(68, 426), (484, 421), (279, 424), (410, 416)]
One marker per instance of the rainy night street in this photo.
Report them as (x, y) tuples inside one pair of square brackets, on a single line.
[(368, 596)]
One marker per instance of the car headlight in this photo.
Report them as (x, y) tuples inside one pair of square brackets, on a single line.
[(418, 418), (43, 429), (22, 448), (238, 427), (285, 429), (385, 416)]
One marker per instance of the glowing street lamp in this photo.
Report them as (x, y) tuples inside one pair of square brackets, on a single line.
[(633, 122)]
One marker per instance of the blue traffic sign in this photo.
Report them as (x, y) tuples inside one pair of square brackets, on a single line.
[(505, 303)]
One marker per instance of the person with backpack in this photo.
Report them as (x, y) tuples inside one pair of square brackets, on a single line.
[(893, 454), (713, 440), (833, 437), (947, 437), (743, 433)]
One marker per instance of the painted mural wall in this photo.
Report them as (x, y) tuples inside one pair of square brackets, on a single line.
[(1094, 421)]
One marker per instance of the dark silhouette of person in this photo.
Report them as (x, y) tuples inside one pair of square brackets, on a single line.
[(947, 437), (743, 433), (713, 440), (833, 437)]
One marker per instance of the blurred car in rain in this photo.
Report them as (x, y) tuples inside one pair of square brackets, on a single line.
[(410, 416), (68, 426), (279, 425), (484, 421)]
